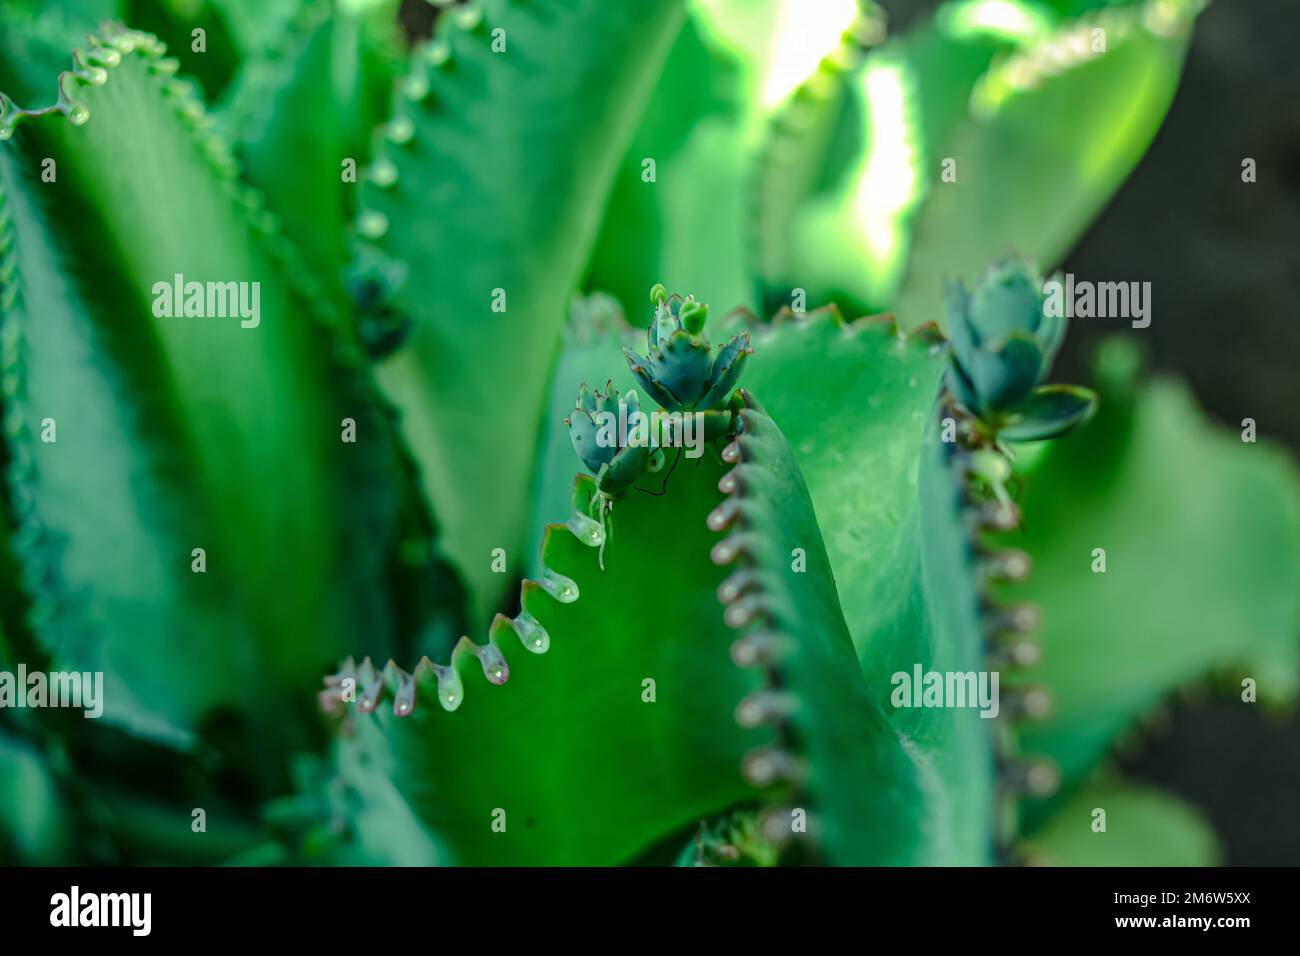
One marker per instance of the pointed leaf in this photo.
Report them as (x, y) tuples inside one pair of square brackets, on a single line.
[(475, 206), (586, 767), (1051, 411), (1199, 536), (290, 100), (858, 406), (174, 433), (34, 819), (1042, 147), (861, 783), (1144, 826), (852, 155), (856, 403)]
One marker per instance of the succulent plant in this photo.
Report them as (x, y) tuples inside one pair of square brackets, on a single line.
[(1004, 340), (678, 370), (382, 468), (603, 429)]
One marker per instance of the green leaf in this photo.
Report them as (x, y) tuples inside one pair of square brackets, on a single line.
[(318, 89), (842, 171), (497, 168), (856, 402), (1020, 103), (1051, 411), (172, 434), (775, 43), (195, 31), (382, 828), (285, 110), (730, 69), (586, 769), (34, 820), (1074, 8), (34, 46), (861, 782), (88, 11), (150, 832), (693, 131), (961, 742), (823, 380), (1201, 540), (1050, 133), (1144, 827), (253, 24)]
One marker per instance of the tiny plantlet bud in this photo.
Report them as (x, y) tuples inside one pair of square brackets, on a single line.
[(648, 691), (1098, 560), (400, 130), (468, 17), (349, 170), (693, 315), (372, 224), (1247, 170), (498, 560), (49, 431), (198, 40), (349, 433), (498, 820), (658, 294), (992, 467), (1248, 430), (200, 563), (798, 560), (199, 820), (416, 86), (1098, 820), (799, 300), (647, 170), (949, 171), (49, 170), (499, 40), (1248, 690), (498, 300)]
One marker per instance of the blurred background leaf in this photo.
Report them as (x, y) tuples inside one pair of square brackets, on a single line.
[(35, 826), (1201, 533), (1143, 827), (174, 437)]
